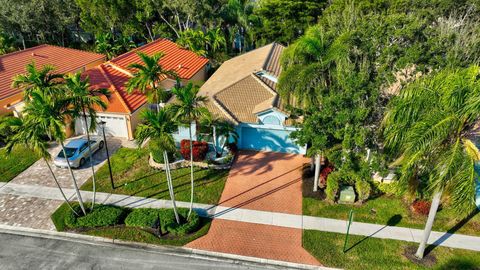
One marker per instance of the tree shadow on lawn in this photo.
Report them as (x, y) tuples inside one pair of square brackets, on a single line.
[(393, 221), (211, 177), (451, 231)]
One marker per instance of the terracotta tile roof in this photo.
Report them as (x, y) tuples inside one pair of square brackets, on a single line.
[(186, 63), (114, 74), (64, 59), (237, 92)]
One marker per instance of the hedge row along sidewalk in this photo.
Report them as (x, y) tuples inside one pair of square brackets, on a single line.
[(145, 225)]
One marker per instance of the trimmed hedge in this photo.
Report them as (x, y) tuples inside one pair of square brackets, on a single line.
[(332, 186), (363, 190), (200, 150), (148, 218), (102, 215)]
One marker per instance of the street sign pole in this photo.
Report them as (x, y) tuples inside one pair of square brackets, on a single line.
[(350, 217)]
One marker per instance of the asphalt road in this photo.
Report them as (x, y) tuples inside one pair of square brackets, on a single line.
[(26, 252)]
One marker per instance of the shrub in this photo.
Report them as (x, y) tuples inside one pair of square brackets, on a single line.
[(156, 149), (324, 175), (102, 215), (191, 225), (200, 150), (148, 218), (332, 186), (421, 207), (363, 190)]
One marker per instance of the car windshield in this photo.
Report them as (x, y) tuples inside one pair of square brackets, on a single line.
[(70, 152)]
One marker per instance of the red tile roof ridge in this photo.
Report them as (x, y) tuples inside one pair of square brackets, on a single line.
[(113, 88), (118, 68), (22, 51), (123, 55)]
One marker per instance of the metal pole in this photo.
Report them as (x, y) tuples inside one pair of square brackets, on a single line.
[(108, 158), (350, 216)]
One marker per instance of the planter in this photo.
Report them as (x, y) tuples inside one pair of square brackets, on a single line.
[(185, 163)]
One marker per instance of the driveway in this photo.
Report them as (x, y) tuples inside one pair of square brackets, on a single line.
[(263, 181), (38, 174)]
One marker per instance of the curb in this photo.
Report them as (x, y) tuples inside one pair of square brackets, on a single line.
[(170, 250)]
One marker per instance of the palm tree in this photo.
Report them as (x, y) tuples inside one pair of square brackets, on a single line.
[(188, 109), (215, 40), (159, 126), (43, 80), (27, 134), (429, 127), (47, 113), (226, 130), (147, 77), (83, 102), (194, 40), (7, 43)]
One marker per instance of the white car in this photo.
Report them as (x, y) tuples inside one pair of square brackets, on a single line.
[(77, 152)]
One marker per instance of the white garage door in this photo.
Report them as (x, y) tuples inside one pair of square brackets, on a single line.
[(115, 126)]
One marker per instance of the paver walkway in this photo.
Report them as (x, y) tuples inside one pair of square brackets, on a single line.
[(240, 216), (266, 182)]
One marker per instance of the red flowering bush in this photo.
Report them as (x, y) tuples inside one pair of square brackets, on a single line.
[(325, 171), (200, 150), (421, 207)]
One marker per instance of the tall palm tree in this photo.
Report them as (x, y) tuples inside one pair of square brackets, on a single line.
[(83, 103), (188, 109), (159, 126), (47, 113), (27, 134), (43, 79), (429, 127), (147, 77)]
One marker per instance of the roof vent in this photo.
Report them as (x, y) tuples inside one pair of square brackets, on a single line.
[(180, 66), (33, 54)]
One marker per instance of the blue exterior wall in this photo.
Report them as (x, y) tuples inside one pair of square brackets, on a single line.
[(273, 138)]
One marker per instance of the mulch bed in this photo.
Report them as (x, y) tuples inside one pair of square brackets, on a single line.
[(429, 260)]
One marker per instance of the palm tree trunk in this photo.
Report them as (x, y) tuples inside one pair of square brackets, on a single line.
[(77, 191), (94, 180), (191, 171), (317, 172), (170, 185), (215, 140), (59, 187), (428, 226)]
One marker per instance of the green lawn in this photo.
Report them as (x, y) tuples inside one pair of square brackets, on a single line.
[(133, 176), (393, 211), (373, 253), (16, 162)]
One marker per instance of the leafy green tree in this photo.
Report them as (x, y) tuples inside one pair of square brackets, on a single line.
[(429, 127), (286, 20), (193, 40), (148, 76), (83, 103), (100, 16), (159, 126), (7, 43), (189, 108)]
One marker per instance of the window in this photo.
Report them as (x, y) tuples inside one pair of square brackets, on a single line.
[(271, 120)]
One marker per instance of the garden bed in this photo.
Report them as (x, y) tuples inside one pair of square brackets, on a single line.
[(382, 209), (145, 225), (182, 163)]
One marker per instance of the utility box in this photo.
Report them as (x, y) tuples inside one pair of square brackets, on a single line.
[(347, 195)]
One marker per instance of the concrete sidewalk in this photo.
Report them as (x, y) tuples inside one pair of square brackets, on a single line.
[(256, 217)]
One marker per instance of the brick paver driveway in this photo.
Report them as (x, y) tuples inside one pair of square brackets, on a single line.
[(263, 181)]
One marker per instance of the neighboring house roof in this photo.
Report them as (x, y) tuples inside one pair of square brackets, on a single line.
[(63, 59), (114, 74), (245, 85)]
